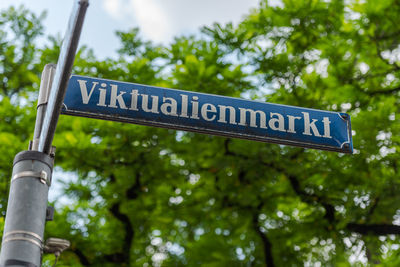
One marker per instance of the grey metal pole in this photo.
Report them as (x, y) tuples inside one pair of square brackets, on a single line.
[(27, 200), (62, 75), (22, 243), (44, 91), (26, 210)]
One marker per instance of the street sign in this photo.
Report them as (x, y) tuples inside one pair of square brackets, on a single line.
[(206, 113)]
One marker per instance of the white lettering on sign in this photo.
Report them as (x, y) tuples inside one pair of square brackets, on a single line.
[(189, 107), (222, 113), (206, 109), (169, 107), (84, 92), (253, 118), (273, 122), (117, 98)]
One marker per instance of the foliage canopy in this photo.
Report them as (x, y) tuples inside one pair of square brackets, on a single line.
[(141, 196)]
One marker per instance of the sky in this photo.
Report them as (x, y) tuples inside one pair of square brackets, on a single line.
[(159, 20)]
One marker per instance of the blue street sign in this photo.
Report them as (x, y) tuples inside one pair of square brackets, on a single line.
[(209, 114)]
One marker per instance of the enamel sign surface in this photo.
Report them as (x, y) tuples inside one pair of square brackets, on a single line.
[(206, 113)]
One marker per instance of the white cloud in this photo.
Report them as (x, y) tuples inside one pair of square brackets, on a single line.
[(161, 20), (153, 20), (113, 7)]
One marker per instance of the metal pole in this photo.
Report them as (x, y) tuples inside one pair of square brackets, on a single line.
[(27, 200), (45, 85), (22, 243), (26, 210), (62, 75)]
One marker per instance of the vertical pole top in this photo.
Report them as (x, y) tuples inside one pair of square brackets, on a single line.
[(45, 83), (62, 74)]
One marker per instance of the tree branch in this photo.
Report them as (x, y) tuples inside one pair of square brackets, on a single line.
[(375, 202), (379, 53), (384, 92), (82, 258), (124, 256), (312, 198), (228, 152), (133, 191), (267, 246), (374, 229), (304, 196)]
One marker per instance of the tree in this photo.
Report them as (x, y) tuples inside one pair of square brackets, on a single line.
[(142, 196), (19, 78)]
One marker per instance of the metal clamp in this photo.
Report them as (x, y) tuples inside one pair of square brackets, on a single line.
[(56, 246), (20, 235), (42, 175)]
